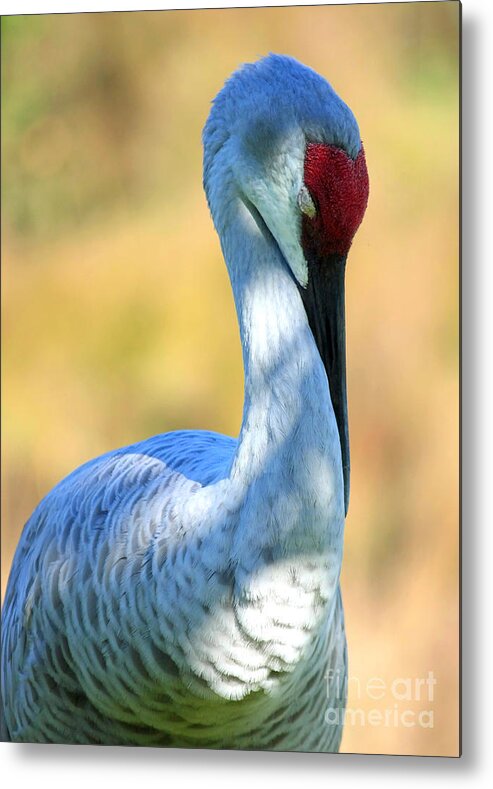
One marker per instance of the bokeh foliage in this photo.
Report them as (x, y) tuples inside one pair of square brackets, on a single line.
[(118, 320)]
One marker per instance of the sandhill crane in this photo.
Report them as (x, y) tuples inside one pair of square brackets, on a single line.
[(185, 591)]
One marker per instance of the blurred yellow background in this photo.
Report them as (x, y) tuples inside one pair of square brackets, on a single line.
[(118, 320)]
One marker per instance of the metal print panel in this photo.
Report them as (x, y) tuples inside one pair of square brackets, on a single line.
[(270, 559)]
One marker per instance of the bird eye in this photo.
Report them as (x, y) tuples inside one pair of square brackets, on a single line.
[(305, 202)]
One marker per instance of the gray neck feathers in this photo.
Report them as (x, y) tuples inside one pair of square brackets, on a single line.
[(289, 439)]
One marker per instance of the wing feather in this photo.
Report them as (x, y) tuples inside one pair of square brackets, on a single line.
[(100, 555)]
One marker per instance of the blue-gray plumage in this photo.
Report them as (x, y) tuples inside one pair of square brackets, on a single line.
[(185, 590)]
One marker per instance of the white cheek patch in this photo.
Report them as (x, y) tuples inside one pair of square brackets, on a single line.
[(273, 188)]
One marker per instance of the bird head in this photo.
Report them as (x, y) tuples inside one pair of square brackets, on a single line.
[(293, 152), (280, 139)]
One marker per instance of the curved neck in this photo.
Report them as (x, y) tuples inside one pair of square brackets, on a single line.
[(288, 415)]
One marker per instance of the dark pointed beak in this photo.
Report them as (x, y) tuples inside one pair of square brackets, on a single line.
[(323, 299)]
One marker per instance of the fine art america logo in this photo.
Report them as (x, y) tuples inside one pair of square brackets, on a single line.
[(396, 697)]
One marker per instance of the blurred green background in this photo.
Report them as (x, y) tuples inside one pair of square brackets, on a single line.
[(118, 320)]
